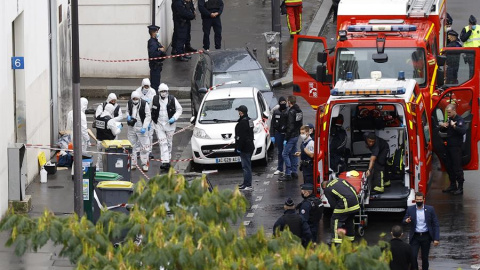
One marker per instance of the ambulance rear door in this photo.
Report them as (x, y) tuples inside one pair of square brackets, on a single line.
[(320, 165), (423, 159), (305, 56), (461, 87)]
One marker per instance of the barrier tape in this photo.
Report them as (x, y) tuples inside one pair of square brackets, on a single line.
[(141, 59)]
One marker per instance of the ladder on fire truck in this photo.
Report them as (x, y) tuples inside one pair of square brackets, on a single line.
[(420, 8)]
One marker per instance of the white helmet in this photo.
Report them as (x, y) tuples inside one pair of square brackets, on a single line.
[(146, 81), (163, 87)]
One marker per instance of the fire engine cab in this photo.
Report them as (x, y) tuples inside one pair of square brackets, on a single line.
[(401, 35), (395, 110)]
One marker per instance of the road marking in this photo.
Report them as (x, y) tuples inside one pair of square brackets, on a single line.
[(266, 183), (250, 215), (255, 207), (246, 223), (259, 198), (269, 175)]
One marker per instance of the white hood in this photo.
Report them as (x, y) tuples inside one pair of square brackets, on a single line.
[(83, 104)]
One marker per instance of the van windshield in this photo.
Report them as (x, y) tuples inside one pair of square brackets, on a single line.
[(255, 78), (223, 110), (359, 61)]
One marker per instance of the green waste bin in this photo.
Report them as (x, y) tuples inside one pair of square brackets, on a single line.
[(111, 194), (107, 176), (120, 163)]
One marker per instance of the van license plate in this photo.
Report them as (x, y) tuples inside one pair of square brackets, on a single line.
[(228, 160)]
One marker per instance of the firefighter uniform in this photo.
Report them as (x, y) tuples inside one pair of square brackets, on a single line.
[(343, 199), (380, 150), (294, 16), (311, 210)]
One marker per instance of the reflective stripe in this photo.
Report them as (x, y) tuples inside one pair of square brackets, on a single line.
[(293, 1), (350, 238), (474, 39), (336, 239), (346, 210)]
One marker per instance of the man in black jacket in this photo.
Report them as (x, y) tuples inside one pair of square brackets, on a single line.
[(244, 145), (455, 128), (376, 168), (294, 122), (277, 131), (310, 209), (401, 251), (211, 11), (155, 49), (182, 15), (295, 223)]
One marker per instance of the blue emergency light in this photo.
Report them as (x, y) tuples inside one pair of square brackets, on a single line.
[(382, 28), (367, 92)]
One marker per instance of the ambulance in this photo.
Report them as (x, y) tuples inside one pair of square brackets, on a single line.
[(373, 35), (395, 110)]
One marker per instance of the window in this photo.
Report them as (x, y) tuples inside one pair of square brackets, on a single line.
[(263, 108), (223, 110), (307, 55), (459, 67)]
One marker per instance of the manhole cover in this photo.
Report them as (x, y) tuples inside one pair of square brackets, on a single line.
[(56, 187)]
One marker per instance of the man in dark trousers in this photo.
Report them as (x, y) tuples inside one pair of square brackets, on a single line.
[(455, 128), (244, 145), (211, 11), (310, 209), (343, 199), (277, 131), (155, 49), (294, 122), (182, 15), (376, 168), (188, 45), (401, 251), (338, 144), (424, 228), (307, 148), (295, 223), (453, 60)]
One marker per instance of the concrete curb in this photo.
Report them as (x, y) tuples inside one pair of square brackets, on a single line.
[(313, 30), (185, 166)]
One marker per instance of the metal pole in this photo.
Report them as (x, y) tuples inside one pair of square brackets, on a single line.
[(153, 12), (280, 66), (77, 142), (276, 25)]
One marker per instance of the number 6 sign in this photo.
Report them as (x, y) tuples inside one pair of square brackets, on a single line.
[(17, 63)]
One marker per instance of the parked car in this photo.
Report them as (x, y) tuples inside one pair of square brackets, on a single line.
[(217, 67), (213, 139)]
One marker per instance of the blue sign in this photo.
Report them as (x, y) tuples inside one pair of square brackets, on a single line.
[(18, 63)]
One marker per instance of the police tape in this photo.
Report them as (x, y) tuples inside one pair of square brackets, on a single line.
[(141, 59)]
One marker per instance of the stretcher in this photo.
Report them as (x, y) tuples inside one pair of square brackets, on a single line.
[(359, 182)]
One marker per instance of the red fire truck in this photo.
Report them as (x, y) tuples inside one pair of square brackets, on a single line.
[(401, 35)]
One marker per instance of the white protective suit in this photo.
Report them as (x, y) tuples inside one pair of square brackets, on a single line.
[(164, 129), (111, 97), (114, 126), (147, 94), (84, 132), (140, 142)]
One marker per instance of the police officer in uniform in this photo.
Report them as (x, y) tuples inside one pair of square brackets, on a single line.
[(470, 36), (211, 11), (310, 209), (188, 44), (338, 143), (376, 168), (182, 15), (244, 145), (455, 128), (343, 199), (295, 223), (454, 59), (307, 149), (277, 131), (155, 49)]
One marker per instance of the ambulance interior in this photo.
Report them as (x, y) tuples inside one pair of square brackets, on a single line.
[(387, 121)]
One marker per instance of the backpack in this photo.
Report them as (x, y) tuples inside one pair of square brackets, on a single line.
[(65, 160)]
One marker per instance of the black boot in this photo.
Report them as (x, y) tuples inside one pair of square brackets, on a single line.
[(459, 191), (189, 48), (451, 188)]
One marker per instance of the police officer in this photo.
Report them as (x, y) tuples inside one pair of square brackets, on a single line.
[(165, 112), (294, 122), (155, 49), (182, 15), (470, 36), (338, 143), (107, 129), (453, 60), (188, 44), (244, 145), (380, 149), (306, 154), (138, 120), (310, 209), (455, 128), (211, 11), (343, 199), (277, 131), (295, 223)]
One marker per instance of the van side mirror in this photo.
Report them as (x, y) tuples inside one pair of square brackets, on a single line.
[(322, 57), (276, 84), (322, 75), (441, 59), (192, 119), (202, 90)]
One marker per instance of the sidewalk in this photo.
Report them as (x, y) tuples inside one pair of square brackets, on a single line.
[(237, 32), (57, 194)]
